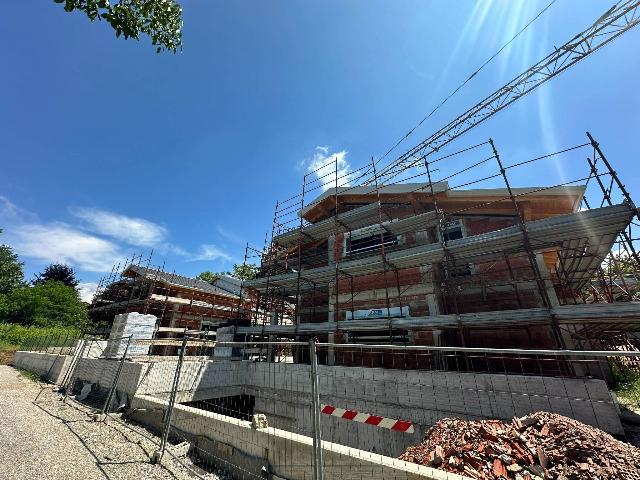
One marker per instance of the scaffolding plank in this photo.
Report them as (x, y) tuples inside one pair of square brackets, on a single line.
[(544, 234), (352, 220), (613, 313)]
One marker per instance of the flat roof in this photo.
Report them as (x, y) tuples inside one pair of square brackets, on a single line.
[(576, 191)]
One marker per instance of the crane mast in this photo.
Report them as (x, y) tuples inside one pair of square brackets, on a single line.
[(620, 18)]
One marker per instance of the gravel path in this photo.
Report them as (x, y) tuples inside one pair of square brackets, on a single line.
[(51, 440)]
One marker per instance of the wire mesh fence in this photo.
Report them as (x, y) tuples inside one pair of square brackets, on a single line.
[(307, 410), (59, 343), (95, 373), (302, 409)]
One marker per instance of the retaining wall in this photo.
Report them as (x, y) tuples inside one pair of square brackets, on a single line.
[(287, 455), (52, 367), (282, 392), (421, 397)]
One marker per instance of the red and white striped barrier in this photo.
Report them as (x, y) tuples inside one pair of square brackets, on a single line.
[(375, 420)]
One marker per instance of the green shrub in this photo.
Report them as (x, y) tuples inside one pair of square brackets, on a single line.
[(14, 334), (34, 377), (50, 304), (626, 384)]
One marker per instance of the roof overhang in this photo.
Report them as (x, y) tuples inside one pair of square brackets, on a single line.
[(367, 194)]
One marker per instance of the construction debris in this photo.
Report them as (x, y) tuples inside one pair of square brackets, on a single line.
[(539, 446), (259, 420)]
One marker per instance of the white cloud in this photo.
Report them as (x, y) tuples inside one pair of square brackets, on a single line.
[(87, 290), (172, 248), (10, 212), (7, 209), (226, 234), (323, 166), (95, 244), (211, 252), (132, 230), (61, 243)]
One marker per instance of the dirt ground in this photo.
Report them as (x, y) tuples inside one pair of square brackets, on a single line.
[(51, 440), (7, 353)]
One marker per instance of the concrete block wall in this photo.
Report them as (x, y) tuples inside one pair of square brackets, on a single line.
[(283, 393), (286, 454), (51, 366), (199, 380), (102, 372)]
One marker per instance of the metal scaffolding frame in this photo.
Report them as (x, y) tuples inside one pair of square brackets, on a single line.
[(137, 285), (308, 282)]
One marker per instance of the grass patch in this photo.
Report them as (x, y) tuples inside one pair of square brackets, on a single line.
[(30, 338), (34, 377), (626, 386)]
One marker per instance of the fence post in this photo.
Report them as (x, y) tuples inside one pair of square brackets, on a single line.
[(112, 390), (318, 463), (25, 346), (67, 382), (41, 343), (157, 456)]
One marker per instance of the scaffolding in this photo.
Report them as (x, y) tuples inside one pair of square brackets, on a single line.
[(180, 303), (364, 243)]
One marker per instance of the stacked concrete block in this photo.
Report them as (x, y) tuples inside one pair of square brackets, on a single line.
[(224, 334), (136, 325)]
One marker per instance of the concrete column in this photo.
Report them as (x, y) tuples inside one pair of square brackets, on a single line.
[(331, 249), (436, 337), (546, 278), (270, 350), (553, 298), (437, 356), (224, 334), (432, 303), (432, 299), (331, 354), (331, 317), (422, 237)]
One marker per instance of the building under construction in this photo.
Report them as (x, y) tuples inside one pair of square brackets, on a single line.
[(449, 251), (180, 303), (407, 265)]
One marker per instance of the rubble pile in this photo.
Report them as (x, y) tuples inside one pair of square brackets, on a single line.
[(539, 446)]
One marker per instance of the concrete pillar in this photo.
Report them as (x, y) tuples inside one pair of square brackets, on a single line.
[(331, 317), (331, 354), (546, 278), (438, 359), (270, 350), (224, 334), (568, 340), (426, 274), (436, 337), (331, 249), (432, 303)]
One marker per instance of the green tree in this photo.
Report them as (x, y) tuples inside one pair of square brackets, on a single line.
[(46, 305), (241, 271), (244, 271), (620, 263), (11, 275), (161, 20), (209, 277), (57, 272)]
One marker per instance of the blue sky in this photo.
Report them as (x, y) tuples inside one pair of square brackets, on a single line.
[(108, 148)]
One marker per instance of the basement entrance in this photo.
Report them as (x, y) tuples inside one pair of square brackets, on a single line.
[(236, 406)]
